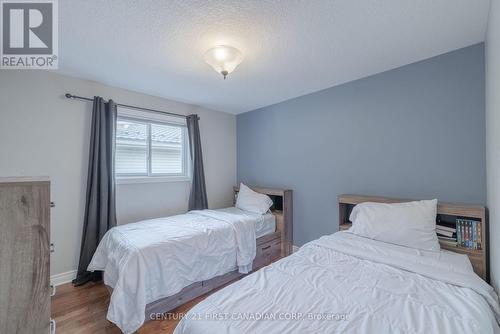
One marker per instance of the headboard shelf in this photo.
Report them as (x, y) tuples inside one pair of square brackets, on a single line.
[(446, 213), (452, 209)]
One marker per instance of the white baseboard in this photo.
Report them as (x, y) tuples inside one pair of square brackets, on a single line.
[(295, 248), (63, 278)]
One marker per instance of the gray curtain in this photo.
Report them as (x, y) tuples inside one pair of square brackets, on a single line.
[(100, 213), (198, 197)]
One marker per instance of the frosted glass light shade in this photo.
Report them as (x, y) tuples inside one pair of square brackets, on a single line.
[(223, 59)]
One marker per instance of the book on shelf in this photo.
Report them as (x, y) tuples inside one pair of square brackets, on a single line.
[(443, 233), (446, 228), (479, 244), (448, 238), (468, 233)]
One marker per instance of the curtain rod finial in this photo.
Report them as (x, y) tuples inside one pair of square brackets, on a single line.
[(68, 95)]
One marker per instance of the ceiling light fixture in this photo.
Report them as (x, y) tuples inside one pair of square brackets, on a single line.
[(223, 59)]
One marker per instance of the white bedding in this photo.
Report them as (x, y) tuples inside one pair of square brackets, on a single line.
[(157, 258), (344, 283), (264, 224)]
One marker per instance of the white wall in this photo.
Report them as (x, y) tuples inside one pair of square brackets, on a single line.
[(493, 137), (43, 133)]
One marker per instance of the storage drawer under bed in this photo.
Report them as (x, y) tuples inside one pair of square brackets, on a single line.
[(268, 250)]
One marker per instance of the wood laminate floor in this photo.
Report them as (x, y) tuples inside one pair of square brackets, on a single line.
[(82, 310)]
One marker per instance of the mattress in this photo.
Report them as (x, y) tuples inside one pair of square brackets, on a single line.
[(264, 224), (343, 283)]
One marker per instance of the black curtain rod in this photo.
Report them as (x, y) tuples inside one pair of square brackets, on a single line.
[(71, 96)]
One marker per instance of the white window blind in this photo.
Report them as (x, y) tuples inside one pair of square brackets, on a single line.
[(150, 148), (166, 149), (131, 157)]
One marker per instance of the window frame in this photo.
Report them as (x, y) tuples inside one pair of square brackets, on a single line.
[(142, 117)]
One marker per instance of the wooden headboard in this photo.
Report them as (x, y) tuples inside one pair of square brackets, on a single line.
[(446, 212), (283, 211)]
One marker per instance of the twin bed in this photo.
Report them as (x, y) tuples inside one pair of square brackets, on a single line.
[(156, 265), (385, 274), (343, 283), (354, 281)]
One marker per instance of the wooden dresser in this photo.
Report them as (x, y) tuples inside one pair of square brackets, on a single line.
[(25, 256)]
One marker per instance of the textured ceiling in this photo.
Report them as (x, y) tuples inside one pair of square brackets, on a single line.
[(291, 47)]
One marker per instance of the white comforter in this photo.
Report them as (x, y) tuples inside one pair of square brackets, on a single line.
[(343, 283), (157, 258)]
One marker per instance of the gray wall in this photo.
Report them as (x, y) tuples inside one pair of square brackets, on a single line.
[(417, 131), (42, 133), (493, 137)]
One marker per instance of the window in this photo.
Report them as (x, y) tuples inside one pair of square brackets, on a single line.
[(153, 148)]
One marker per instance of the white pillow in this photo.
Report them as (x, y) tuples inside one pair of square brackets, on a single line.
[(252, 201), (410, 224)]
